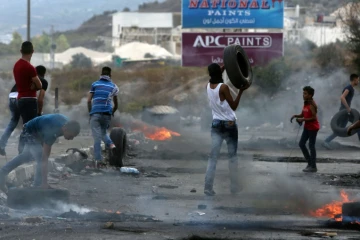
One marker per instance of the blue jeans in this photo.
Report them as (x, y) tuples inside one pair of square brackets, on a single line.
[(32, 150), (99, 123), (220, 131), (343, 123), (311, 136), (15, 117)]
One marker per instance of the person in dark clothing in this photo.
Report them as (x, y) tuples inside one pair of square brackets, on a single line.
[(346, 98), (311, 128), (41, 71)]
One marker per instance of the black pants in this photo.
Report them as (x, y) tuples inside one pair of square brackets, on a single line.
[(28, 111), (311, 136)]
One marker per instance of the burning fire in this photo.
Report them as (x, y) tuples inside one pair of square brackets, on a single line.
[(332, 210), (152, 132), (157, 133), (109, 211)]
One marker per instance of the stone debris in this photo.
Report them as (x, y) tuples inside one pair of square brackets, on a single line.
[(33, 219), (109, 225)]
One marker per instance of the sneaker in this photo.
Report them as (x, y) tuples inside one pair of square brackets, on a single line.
[(310, 169), (209, 192), (2, 152), (327, 145), (100, 164)]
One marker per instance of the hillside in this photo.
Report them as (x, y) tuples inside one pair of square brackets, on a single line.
[(87, 35), (328, 6)]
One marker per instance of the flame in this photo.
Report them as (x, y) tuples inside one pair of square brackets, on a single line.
[(157, 133), (110, 211), (152, 132), (332, 210)]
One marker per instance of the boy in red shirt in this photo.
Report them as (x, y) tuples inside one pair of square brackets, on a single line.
[(311, 128)]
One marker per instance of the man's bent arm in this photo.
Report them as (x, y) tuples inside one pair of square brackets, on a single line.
[(37, 82), (44, 164), (343, 100), (115, 99), (232, 103), (90, 96)]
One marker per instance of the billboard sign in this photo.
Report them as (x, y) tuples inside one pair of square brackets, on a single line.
[(202, 49), (232, 14)]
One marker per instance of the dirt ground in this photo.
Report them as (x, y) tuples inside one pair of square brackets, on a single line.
[(275, 202)]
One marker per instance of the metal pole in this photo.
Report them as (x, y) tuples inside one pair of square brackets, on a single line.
[(56, 110), (28, 20), (52, 48)]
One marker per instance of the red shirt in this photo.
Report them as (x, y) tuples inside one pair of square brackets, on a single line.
[(23, 74), (310, 125)]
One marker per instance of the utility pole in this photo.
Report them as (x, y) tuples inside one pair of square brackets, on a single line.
[(28, 20), (52, 48)]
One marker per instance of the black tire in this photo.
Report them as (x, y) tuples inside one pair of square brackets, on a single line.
[(341, 116), (26, 198), (118, 136), (237, 66)]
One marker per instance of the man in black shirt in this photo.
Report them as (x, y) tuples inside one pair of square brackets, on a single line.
[(346, 98), (41, 71), (15, 113)]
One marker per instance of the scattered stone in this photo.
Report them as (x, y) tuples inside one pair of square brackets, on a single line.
[(68, 228), (318, 234), (154, 175), (109, 225), (4, 216), (154, 189), (168, 186), (193, 190), (202, 206), (33, 219), (160, 198), (96, 174)]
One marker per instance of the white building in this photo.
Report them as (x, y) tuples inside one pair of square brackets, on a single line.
[(153, 28)]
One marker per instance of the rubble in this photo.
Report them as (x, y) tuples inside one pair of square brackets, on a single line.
[(318, 234), (168, 186), (202, 206), (33, 219), (105, 216), (109, 225)]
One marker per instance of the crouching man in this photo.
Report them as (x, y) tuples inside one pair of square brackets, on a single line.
[(39, 135)]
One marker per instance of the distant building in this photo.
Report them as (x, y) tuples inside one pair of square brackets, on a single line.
[(152, 28)]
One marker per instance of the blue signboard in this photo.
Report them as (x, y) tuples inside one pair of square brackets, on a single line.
[(232, 13)]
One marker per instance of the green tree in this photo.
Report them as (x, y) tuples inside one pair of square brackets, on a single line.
[(42, 43), (16, 42), (80, 61), (62, 43)]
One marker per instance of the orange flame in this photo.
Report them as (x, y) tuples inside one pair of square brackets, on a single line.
[(110, 211), (157, 133), (152, 132), (332, 209)]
